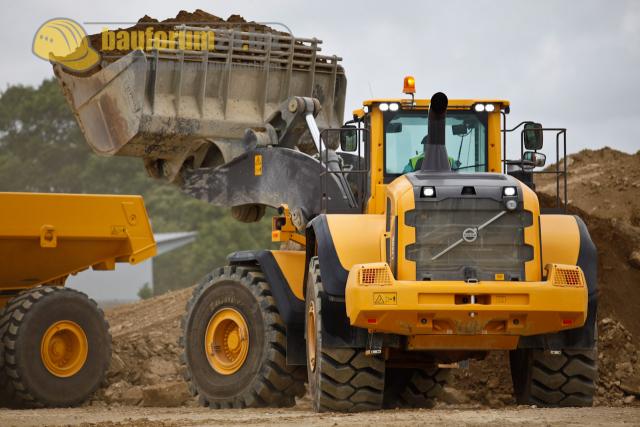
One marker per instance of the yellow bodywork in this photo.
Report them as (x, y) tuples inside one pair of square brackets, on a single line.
[(46, 237), (439, 315), (560, 239), (497, 312)]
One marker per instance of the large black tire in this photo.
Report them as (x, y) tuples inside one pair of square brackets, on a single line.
[(544, 379), (25, 381), (264, 379), (414, 388), (340, 379)]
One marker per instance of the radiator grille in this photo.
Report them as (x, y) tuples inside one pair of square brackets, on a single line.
[(497, 249)]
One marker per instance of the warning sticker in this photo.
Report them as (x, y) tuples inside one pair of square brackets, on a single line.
[(257, 165), (385, 298)]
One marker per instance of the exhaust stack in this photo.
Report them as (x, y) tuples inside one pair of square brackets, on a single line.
[(435, 150)]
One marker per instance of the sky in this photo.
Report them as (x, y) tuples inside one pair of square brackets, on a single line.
[(573, 64)]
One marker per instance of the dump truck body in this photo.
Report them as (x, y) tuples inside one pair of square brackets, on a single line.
[(46, 237)]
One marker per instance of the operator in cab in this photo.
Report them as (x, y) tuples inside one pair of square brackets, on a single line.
[(415, 162)]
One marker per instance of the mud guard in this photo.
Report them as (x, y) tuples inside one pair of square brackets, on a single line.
[(291, 308), (583, 338), (336, 329)]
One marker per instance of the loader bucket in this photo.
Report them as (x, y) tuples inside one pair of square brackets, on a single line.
[(177, 108)]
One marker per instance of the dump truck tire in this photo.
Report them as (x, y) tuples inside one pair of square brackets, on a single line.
[(413, 388), (248, 213), (5, 395), (234, 343), (56, 348), (340, 379), (545, 379)]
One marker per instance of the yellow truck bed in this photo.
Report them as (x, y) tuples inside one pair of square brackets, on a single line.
[(46, 237)]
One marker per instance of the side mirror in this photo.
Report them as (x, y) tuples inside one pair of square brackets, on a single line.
[(531, 160), (394, 127), (532, 136), (349, 139)]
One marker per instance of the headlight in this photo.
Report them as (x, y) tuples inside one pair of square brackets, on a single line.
[(511, 204), (489, 108), (366, 108), (384, 106), (428, 192), (509, 191), (393, 107)]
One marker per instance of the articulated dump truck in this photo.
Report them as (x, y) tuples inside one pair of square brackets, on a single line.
[(409, 243), (55, 345)]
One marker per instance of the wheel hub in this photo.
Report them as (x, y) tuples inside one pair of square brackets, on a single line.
[(311, 336), (226, 341), (64, 348)]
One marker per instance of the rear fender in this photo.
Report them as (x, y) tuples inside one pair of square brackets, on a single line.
[(577, 247), (336, 240)]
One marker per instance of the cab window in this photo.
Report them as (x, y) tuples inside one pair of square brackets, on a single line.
[(466, 141)]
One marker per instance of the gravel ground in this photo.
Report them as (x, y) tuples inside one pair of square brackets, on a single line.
[(135, 416)]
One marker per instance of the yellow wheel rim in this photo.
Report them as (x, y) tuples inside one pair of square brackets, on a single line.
[(64, 348), (311, 336), (226, 341)]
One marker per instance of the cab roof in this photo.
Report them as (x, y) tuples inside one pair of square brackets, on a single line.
[(453, 103)]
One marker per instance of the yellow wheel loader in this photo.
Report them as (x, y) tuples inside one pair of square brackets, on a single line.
[(55, 346), (409, 242)]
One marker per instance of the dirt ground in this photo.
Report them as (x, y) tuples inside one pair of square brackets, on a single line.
[(143, 417)]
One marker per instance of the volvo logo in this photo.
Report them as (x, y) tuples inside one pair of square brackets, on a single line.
[(470, 234)]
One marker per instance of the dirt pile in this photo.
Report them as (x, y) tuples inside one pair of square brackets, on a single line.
[(619, 371), (145, 369), (604, 183), (198, 18)]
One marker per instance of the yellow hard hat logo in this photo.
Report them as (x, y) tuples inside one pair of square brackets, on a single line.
[(65, 42)]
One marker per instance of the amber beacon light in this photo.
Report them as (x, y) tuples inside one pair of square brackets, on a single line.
[(409, 85)]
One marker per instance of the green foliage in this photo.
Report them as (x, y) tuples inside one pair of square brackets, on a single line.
[(145, 292), (42, 149)]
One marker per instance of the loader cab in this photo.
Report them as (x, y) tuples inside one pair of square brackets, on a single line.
[(394, 131), (385, 140)]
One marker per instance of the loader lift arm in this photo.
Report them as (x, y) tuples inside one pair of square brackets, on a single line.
[(273, 160)]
